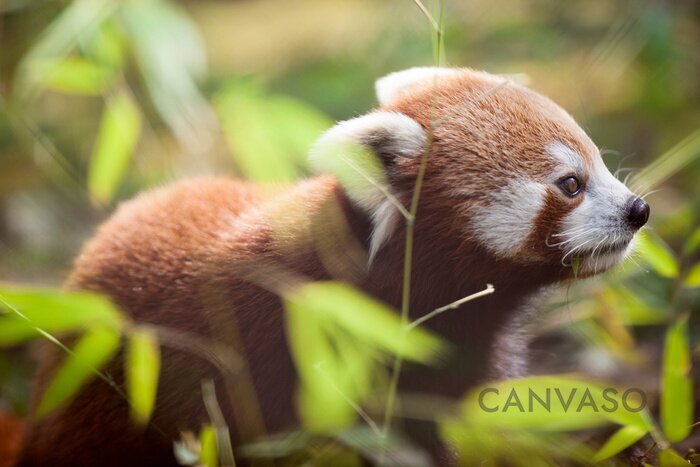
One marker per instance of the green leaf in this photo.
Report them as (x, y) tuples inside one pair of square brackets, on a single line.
[(207, 447), (620, 440), (365, 319), (269, 136), (60, 38), (670, 458), (569, 404), (142, 372), (116, 140), (74, 75), (95, 348), (657, 254), (637, 310), (170, 55), (692, 244), (52, 311), (676, 384), (670, 162), (693, 277), (337, 336), (323, 396)]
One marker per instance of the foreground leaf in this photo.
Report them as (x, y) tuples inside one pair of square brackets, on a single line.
[(676, 384), (553, 403), (366, 319), (207, 447), (620, 440), (657, 254), (142, 372), (92, 351), (693, 277), (52, 311)]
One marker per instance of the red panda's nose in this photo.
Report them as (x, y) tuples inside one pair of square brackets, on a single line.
[(638, 213)]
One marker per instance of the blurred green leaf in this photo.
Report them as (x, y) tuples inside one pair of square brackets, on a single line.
[(52, 311), (269, 136), (335, 334), (170, 55), (478, 445), (676, 383), (366, 319), (105, 45), (693, 243), (73, 75), (56, 42), (323, 396), (95, 348), (620, 440), (669, 458), (119, 132), (657, 254), (693, 277), (207, 445), (635, 311), (569, 404), (669, 163), (142, 372)]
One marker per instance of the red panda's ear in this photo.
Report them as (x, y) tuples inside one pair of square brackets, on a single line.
[(394, 84), (361, 153)]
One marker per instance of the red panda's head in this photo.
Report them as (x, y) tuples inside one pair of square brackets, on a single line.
[(509, 167)]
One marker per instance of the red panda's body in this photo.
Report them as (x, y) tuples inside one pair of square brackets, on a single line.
[(196, 256)]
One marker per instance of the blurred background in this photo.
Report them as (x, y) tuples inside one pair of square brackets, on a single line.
[(100, 99)]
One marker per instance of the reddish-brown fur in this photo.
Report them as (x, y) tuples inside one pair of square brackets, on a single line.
[(186, 257)]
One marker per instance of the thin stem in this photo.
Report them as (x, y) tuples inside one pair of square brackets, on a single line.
[(434, 24), (456, 304), (389, 196)]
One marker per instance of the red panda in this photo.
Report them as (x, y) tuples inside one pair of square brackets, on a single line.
[(513, 190)]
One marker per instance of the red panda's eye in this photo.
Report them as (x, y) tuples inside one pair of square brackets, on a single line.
[(571, 186)]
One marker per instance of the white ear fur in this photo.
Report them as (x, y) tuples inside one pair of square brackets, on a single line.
[(390, 86), (352, 149)]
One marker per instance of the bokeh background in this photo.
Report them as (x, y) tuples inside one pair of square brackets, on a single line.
[(100, 99)]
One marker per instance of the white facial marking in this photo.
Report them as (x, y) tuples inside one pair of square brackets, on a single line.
[(505, 224), (566, 155), (596, 230), (346, 151), (390, 86)]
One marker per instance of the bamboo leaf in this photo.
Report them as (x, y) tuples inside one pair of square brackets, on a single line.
[(657, 254), (670, 162), (553, 403), (269, 136), (29, 309), (693, 243), (58, 40), (91, 352), (365, 318), (693, 277), (142, 372), (669, 458), (207, 447), (116, 140), (74, 75), (170, 55), (620, 440), (676, 384)]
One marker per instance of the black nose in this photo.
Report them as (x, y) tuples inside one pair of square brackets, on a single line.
[(638, 212)]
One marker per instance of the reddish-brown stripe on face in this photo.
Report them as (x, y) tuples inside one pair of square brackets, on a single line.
[(547, 226)]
